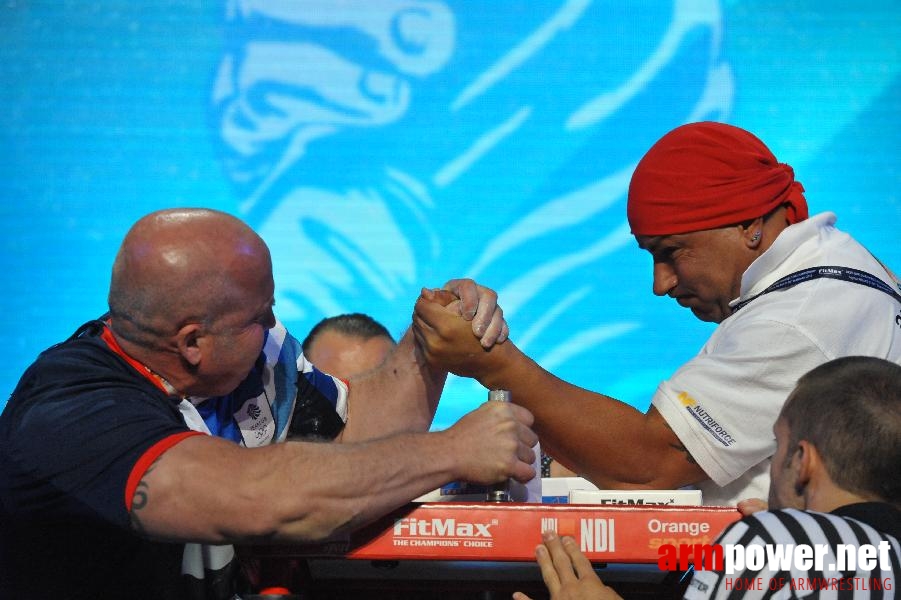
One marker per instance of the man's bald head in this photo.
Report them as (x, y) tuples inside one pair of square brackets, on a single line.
[(183, 265)]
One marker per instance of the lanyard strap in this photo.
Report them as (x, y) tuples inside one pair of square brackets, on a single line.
[(827, 272)]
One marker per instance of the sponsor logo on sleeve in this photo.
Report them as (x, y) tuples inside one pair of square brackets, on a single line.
[(706, 420)]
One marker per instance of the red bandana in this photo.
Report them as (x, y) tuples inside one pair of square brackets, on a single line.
[(708, 175)]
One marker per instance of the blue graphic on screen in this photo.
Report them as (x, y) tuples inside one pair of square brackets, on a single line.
[(440, 123), (380, 146)]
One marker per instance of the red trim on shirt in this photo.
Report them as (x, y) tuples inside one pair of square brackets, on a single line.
[(107, 336), (147, 459)]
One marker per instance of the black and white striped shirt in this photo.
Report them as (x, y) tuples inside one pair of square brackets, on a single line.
[(855, 525)]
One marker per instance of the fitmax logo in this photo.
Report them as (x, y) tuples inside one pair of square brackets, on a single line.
[(637, 502), (441, 528)]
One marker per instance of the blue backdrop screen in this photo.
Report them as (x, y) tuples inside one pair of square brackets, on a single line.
[(383, 145)]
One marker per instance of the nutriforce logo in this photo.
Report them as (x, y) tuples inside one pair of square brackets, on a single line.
[(707, 422), (450, 533)]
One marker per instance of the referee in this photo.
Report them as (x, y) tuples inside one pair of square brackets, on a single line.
[(835, 490)]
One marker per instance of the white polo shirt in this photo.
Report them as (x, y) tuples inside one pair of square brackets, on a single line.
[(723, 403)]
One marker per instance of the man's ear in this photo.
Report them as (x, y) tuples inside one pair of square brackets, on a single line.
[(808, 463), (753, 233), (187, 340)]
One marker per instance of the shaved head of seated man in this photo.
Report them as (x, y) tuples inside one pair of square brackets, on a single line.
[(110, 469), (727, 229)]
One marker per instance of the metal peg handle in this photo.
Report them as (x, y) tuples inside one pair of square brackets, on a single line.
[(499, 395), (499, 492)]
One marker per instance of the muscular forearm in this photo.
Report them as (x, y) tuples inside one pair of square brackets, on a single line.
[(401, 395), (363, 482), (211, 491), (607, 441)]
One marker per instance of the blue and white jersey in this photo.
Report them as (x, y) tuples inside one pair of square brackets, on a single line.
[(257, 413), (260, 410)]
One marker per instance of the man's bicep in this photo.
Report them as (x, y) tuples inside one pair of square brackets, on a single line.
[(183, 493), (677, 466)]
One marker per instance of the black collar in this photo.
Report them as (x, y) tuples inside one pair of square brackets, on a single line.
[(881, 516)]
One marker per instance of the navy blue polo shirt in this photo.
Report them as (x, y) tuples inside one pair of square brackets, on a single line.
[(82, 424)]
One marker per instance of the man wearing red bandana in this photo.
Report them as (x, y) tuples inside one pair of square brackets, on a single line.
[(727, 228)]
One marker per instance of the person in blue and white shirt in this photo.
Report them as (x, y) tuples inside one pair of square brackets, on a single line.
[(107, 465)]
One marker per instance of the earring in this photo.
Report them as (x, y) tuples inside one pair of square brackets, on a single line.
[(755, 237)]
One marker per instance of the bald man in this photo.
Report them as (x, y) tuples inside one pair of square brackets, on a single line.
[(348, 345), (726, 226), (108, 468)]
